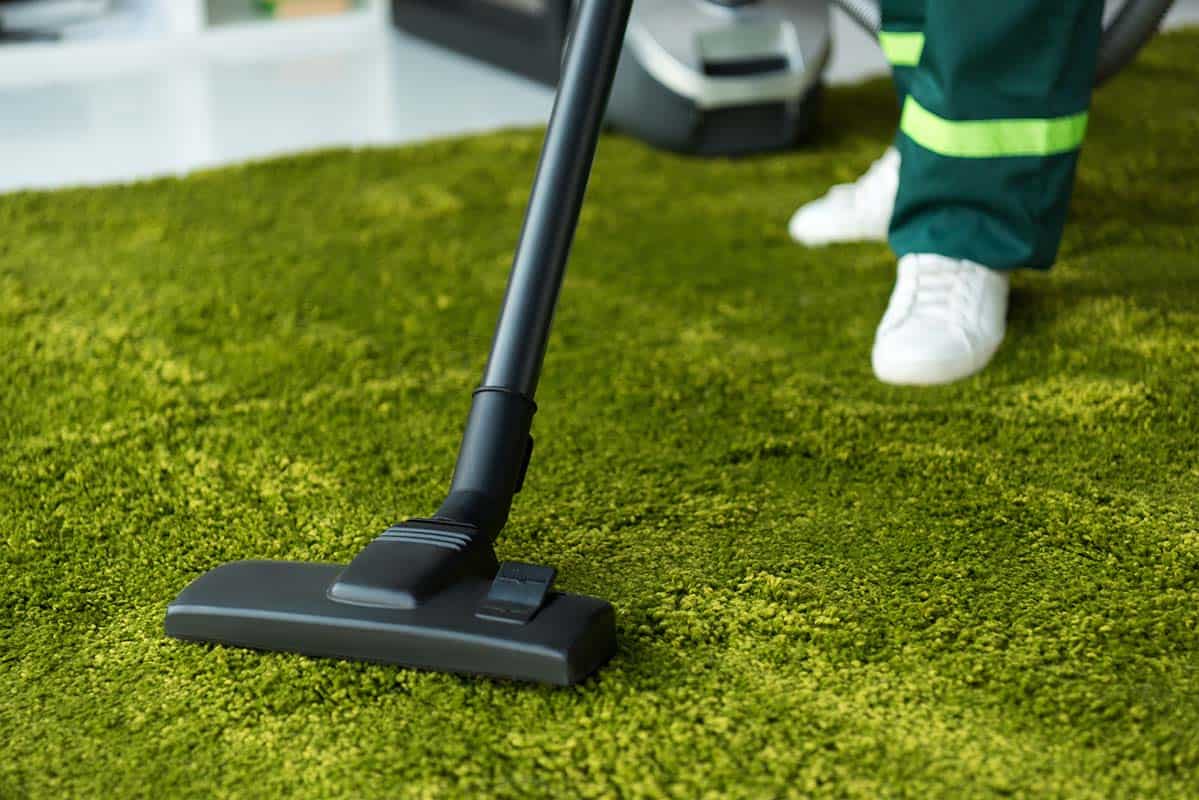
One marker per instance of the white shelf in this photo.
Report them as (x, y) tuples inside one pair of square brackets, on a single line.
[(140, 33)]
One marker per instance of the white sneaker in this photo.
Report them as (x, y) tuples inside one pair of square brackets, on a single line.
[(945, 321), (851, 212)]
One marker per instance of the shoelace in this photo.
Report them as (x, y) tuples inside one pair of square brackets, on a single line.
[(947, 293)]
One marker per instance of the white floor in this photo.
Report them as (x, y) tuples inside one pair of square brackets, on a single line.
[(369, 88)]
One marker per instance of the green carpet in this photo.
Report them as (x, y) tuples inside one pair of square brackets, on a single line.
[(825, 586)]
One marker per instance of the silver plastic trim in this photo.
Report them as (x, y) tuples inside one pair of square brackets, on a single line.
[(711, 92)]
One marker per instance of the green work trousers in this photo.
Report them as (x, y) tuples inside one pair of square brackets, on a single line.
[(994, 102)]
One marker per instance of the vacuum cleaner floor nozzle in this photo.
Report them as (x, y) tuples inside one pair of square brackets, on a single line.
[(478, 626), (429, 593)]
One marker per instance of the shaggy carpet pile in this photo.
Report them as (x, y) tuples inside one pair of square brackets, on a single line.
[(824, 586)]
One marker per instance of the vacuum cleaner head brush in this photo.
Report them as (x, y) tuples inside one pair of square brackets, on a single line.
[(426, 594)]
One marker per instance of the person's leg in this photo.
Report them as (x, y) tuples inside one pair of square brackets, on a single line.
[(991, 128), (861, 211), (902, 40), (989, 137)]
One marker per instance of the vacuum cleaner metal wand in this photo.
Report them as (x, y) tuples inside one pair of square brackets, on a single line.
[(429, 593)]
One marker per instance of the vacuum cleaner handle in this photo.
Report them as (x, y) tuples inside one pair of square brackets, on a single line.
[(496, 446)]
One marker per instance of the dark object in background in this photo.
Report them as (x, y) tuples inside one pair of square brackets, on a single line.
[(521, 36), (429, 593), (49, 15), (43, 20), (19, 36)]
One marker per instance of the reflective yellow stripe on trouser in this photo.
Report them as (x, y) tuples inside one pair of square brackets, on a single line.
[(902, 48), (993, 117), (992, 138)]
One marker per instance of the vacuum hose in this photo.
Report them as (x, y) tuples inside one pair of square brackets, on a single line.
[(1123, 35)]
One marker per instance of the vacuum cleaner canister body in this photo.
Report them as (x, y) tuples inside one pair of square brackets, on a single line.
[(712, 77), (722, 78)]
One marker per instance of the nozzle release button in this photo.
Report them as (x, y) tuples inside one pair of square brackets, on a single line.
[(517, 593)]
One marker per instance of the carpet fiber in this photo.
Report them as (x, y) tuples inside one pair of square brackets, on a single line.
[(824, 586)]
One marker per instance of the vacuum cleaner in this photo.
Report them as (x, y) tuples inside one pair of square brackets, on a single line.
[(706, 77), (429, 592)]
